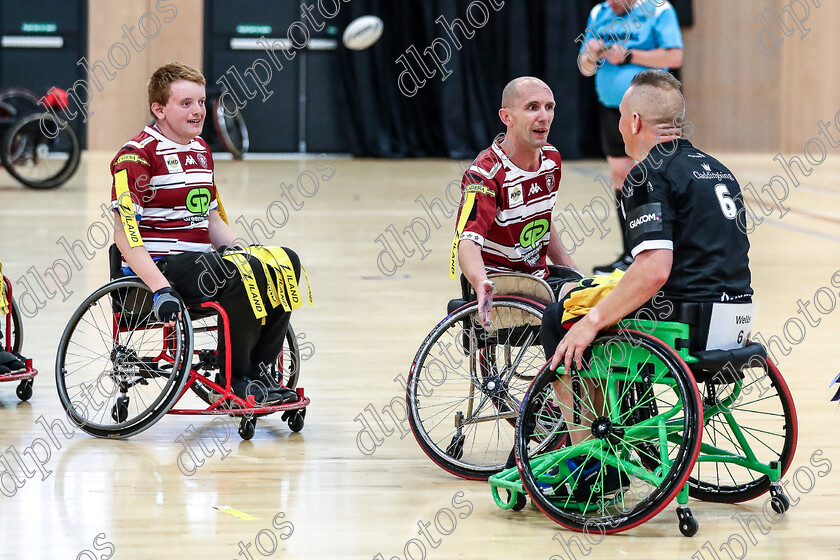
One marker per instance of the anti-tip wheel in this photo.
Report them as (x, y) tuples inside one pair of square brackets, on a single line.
[(24, 390)]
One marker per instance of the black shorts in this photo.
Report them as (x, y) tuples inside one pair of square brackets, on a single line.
[(611, 141)]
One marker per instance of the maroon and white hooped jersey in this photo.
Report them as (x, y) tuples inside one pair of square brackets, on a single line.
[(508, 210), (172, 189)]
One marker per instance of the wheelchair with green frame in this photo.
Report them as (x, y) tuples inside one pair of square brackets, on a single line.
[(467, 380), (665, 418)]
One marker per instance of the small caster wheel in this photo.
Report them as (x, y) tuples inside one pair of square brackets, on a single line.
[(24, 390), (296, 420), (119, 412), (780, 503), (455, 449), (688, 523), (521, 501), (247, 427)]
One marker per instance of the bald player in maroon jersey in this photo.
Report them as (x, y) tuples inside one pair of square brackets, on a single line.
[(508, 194)]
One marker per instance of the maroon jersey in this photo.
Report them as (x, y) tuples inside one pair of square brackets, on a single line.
[(172, 190), (510, 210)]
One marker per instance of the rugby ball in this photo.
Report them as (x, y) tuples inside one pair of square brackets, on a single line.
[(362, 32)]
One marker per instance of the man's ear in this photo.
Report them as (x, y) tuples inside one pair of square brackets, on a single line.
[(636, 125), (157, 110), (504, 114)]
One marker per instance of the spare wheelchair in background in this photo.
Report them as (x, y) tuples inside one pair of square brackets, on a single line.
[(13, 365), (675, 421), (467, 381), (34, 148), (119, 369)]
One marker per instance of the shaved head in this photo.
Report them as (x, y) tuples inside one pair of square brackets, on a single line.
[(656, 96), (511, 92)]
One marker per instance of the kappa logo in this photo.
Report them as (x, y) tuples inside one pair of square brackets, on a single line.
[(173, 164), (189, 160), (515, 197), (535, 188)]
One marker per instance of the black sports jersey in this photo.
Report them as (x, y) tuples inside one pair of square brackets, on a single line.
[(682, 199)]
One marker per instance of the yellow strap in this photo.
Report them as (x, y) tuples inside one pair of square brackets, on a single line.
[(275, 289), (287, 272), (220, 209), (466, 210), (125, 205), (240, 261), (4, 300)]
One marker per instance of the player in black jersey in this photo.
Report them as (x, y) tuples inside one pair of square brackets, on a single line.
[(682, 211), (682, 208)]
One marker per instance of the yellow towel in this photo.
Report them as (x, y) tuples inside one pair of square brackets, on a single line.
[(587, 294)]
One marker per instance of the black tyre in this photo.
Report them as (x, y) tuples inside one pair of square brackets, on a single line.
[(758, 409), (247, 427), (21, 101), (230, 128), (38, 153), (297, 419), (114, 352), (467, 383), (642, 443)]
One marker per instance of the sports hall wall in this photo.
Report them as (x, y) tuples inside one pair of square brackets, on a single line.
[(742, 95)]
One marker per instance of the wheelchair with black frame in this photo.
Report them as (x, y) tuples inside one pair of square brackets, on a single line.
[(34, 146), (668, 413), (119, 369), (467, 381)]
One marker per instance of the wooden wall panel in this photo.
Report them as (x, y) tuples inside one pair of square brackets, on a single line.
[(811, 76), (120, 109), (731, 86)]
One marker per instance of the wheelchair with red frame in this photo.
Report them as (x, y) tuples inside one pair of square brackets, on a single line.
[(468, 381), (674, 408), (13, 365), (119, 369)]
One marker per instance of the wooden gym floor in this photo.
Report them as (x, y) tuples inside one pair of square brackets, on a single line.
[(316, 494)]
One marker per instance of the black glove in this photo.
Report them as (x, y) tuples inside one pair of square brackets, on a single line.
[(167, 305)]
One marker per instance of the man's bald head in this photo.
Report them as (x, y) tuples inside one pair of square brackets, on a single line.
[(656, 96), (511, 92)]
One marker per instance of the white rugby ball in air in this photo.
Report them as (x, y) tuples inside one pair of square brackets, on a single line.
[(362, 32)]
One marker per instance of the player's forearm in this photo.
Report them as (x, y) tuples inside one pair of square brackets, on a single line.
[(139, 260), (556, 254), (658, 58), (220, 232), (643, 279), (471, 263)]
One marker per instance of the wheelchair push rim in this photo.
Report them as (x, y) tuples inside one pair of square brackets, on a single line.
[(119, 370), (466, 385), (646, 435)]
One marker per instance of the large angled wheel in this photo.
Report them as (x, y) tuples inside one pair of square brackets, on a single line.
[(748, 422), (38, 153), (119, 370), (641, 409), (467, 383)]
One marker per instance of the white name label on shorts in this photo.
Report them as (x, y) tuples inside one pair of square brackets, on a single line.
[(730, 325)]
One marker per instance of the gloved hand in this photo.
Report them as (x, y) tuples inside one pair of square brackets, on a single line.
[(167, 304)]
